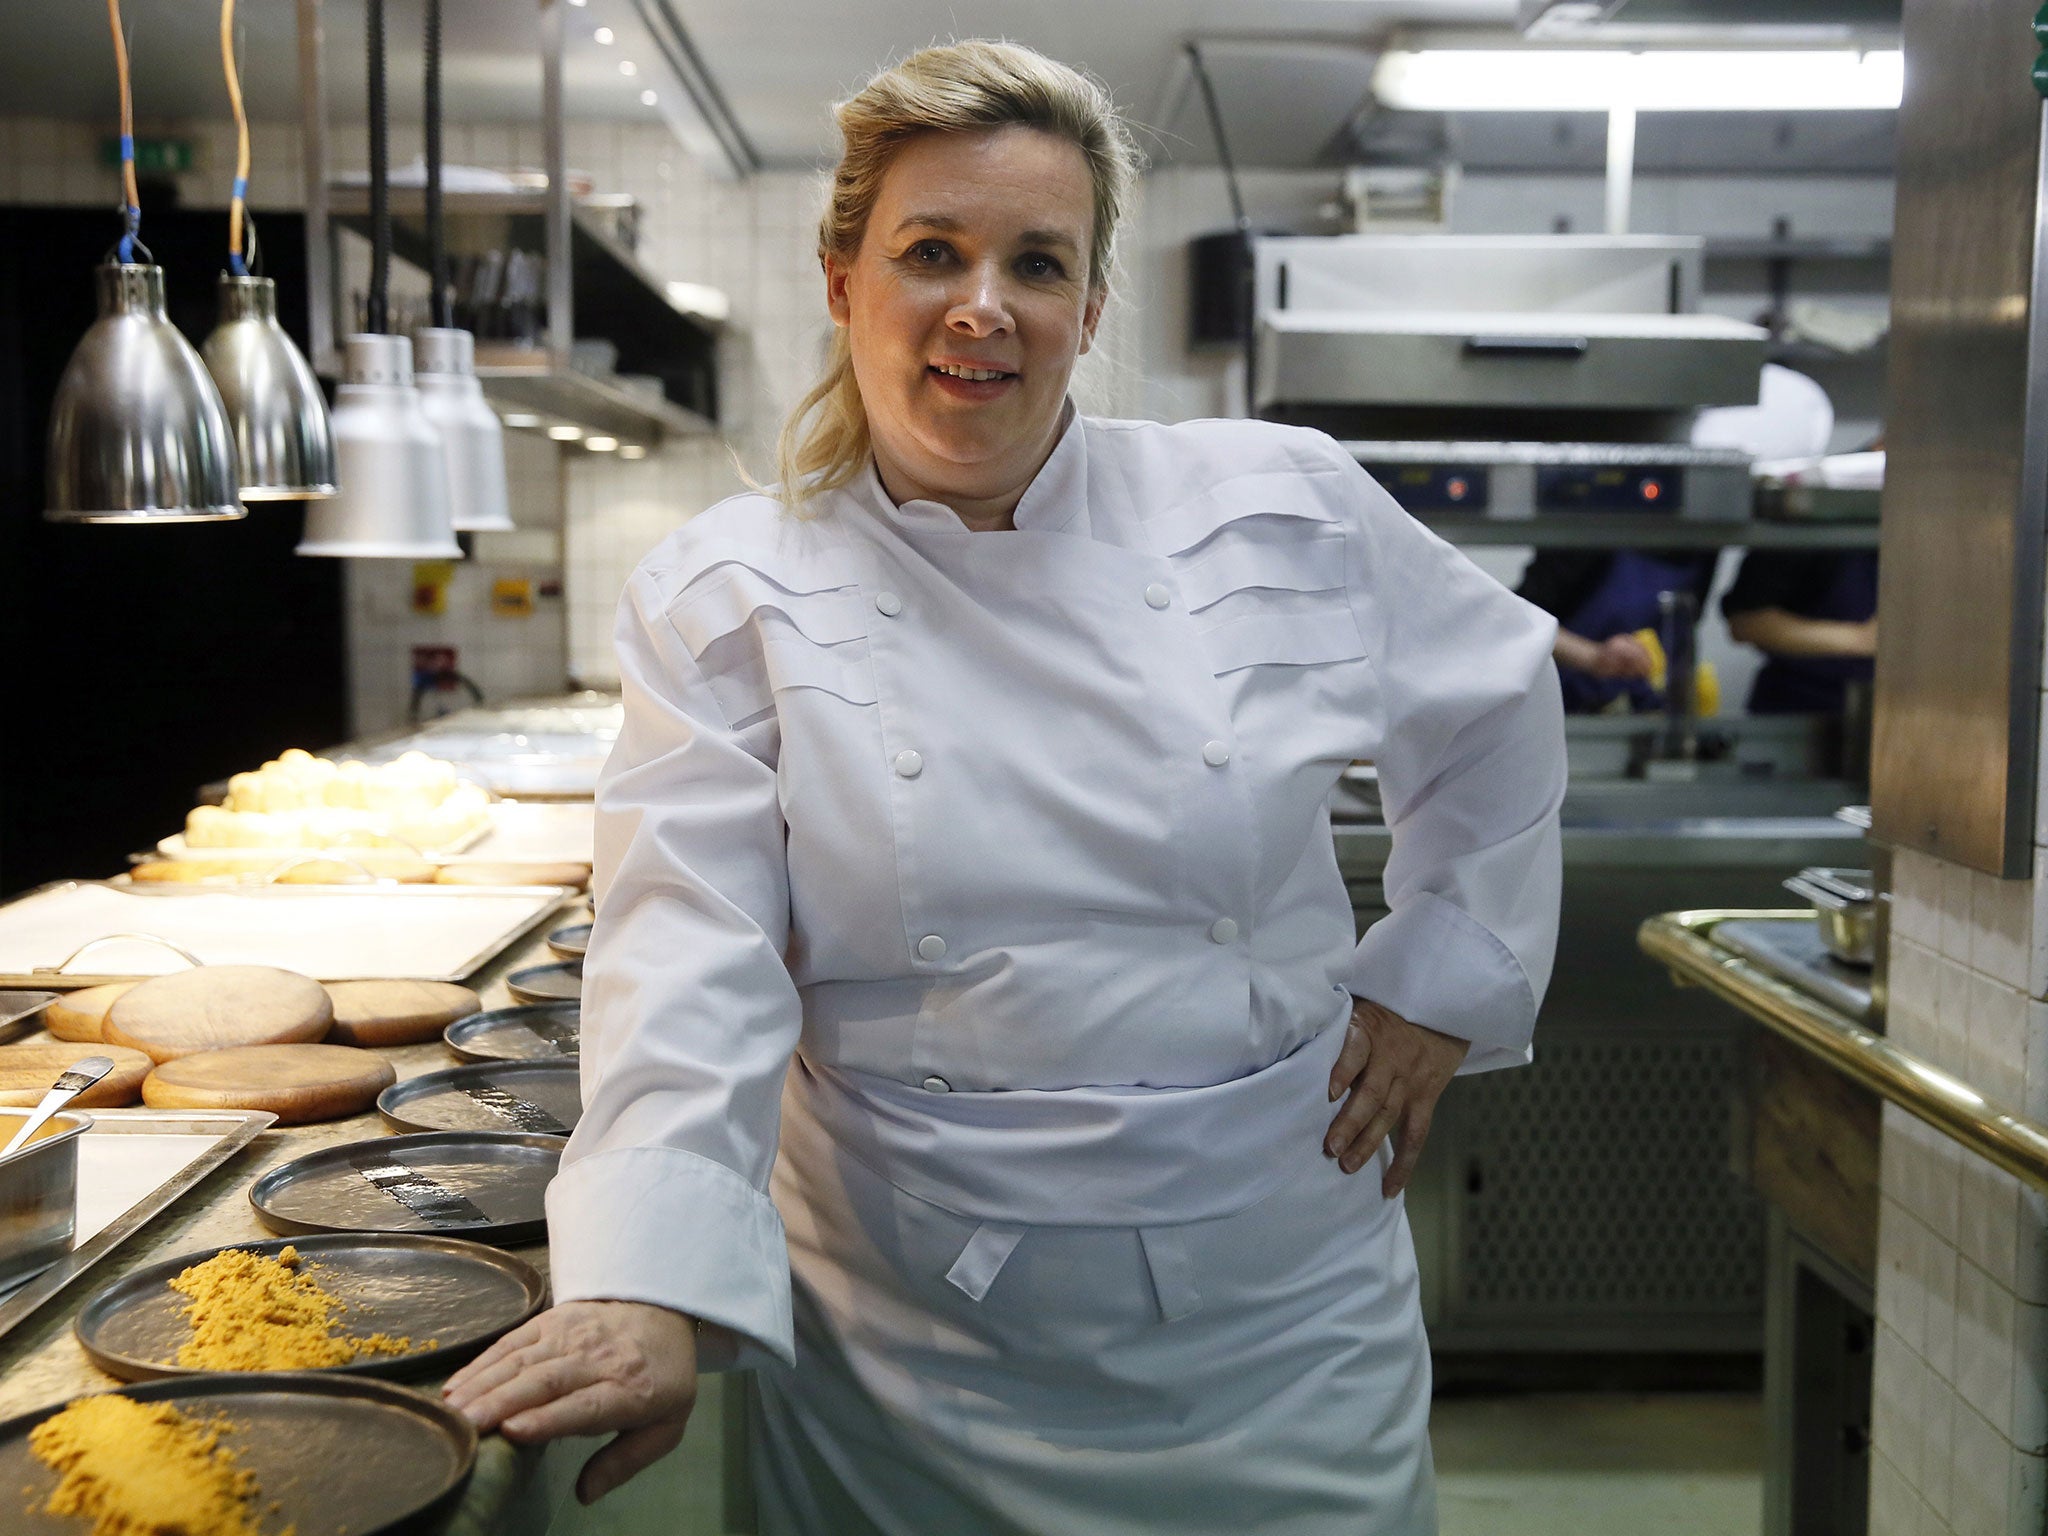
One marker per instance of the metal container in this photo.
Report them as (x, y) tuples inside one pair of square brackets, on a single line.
[(38, 1194), (1844, 908)]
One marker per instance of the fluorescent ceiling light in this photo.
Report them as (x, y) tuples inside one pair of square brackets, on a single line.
[(628, 67), (600, 444), (520, 419), (632, 451), (648, 98), (1666, 80), (604, 36), (566, 434)]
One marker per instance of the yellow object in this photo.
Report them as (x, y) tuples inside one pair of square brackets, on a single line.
[(144, 1469), (430, 583), (1660, 664), (251, 1313), (1706, 682), (512, 597)]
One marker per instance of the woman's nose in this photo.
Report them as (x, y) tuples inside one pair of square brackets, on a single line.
[(981, 310)]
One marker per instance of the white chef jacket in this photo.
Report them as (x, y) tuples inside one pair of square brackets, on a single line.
[(1022, 814)]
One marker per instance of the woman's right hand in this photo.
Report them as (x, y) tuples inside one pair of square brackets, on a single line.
[(625, 1368)]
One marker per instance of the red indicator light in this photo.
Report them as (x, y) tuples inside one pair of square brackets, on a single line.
[(1455, 488), (1652, 490)]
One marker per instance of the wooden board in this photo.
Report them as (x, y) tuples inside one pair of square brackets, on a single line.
[(82, 1015), (297, 1083), (219, 1006), (27, 1071), (396, 1012), (574, 876)]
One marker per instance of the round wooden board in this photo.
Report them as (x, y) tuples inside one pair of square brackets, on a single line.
[(297, 1083), (219, 1006), (574, 876), (82, 1015), (396, 1012), (27, 1070)]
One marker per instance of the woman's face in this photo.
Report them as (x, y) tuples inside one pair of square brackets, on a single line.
[(965, 308)]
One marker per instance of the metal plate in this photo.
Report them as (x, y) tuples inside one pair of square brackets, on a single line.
[(19, 1010), (333, 1455), (548, 983), (570, 942), (103, 1158), (543, 1097), (461, 1294), (532, 1032), (448, 1183)]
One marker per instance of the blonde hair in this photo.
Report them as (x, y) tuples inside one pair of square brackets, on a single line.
[(958, 88)]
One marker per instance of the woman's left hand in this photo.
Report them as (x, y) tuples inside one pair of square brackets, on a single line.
[(1395, 1072)]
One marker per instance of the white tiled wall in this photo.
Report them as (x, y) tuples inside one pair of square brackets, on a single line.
[(1961, 1383)]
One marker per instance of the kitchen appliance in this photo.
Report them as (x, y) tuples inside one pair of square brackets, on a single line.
[(1508, 376)]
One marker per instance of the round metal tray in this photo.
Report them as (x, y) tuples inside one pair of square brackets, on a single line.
[(539, 1096), (333, 1455), (460, 1294), (561, 983), (570, 942), (447, 1183), (530, 1032)]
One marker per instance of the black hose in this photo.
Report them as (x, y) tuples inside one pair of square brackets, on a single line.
[(437, 254), (379, 308)]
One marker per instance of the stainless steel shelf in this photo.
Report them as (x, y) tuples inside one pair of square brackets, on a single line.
[(597, 405), (1621, 530)]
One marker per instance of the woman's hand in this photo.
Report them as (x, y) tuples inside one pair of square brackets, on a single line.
[(588, 1368), (1395, 1071)]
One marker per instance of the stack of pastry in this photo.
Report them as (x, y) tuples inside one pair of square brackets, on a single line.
[(301, 801)]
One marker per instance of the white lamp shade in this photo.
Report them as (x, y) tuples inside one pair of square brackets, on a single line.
[(475, 442), (392, 497)]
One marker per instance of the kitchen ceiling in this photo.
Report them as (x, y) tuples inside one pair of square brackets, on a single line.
[(1285, 92)]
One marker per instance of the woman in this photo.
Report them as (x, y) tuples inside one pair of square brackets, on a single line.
[(984, 774)]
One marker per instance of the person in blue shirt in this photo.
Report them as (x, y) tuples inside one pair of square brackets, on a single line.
[(1813, 613)]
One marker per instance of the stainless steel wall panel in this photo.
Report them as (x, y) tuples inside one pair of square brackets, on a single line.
[(1959, 658)]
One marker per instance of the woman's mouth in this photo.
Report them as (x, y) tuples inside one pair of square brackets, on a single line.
[(964, 382)]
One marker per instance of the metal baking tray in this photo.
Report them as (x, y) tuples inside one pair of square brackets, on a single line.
[(561, 983), (531, 1032), (472, 1184), (38, 1193), (82, 933), (544, 1097), (133, 1163), (19, 1010), (462, 1295), (571, 942), (332, 1455)]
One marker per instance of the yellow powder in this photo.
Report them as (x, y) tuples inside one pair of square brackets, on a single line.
[(144, 1469), (251, 1313)]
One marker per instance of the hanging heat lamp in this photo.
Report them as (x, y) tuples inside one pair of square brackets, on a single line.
[(137, 430), (284, 443), (392, 496), (454, 400)]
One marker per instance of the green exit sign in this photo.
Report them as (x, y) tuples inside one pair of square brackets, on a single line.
[(163, 157)]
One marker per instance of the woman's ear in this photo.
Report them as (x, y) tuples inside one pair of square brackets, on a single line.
[(1091, 316), (837, 275)]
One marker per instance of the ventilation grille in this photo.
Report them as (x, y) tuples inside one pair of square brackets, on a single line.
[(1597, 1184)]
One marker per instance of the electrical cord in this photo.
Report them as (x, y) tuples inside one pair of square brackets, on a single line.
[(238, 201), (379, 306), (131, 209), (441, 313)]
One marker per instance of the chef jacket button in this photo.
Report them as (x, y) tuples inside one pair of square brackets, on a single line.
[(1215, 754), (931, 947), (888, 603), (1223, 930), (909, 764), (1156, 596), (937, 1084)]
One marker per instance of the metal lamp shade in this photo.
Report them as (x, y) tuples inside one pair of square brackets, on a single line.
[(284, 443), (137, 430), (475, 441), (392, 501)]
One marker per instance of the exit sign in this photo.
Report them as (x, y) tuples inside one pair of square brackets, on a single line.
[(152, 156)]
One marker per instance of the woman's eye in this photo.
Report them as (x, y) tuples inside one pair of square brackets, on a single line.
[(928, 252), (1040, 266)]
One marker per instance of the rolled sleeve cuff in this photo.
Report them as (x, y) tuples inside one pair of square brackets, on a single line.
[(1436, 966), (661, 1225)]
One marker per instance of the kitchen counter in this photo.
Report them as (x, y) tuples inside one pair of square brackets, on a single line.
[(513, 1491)]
